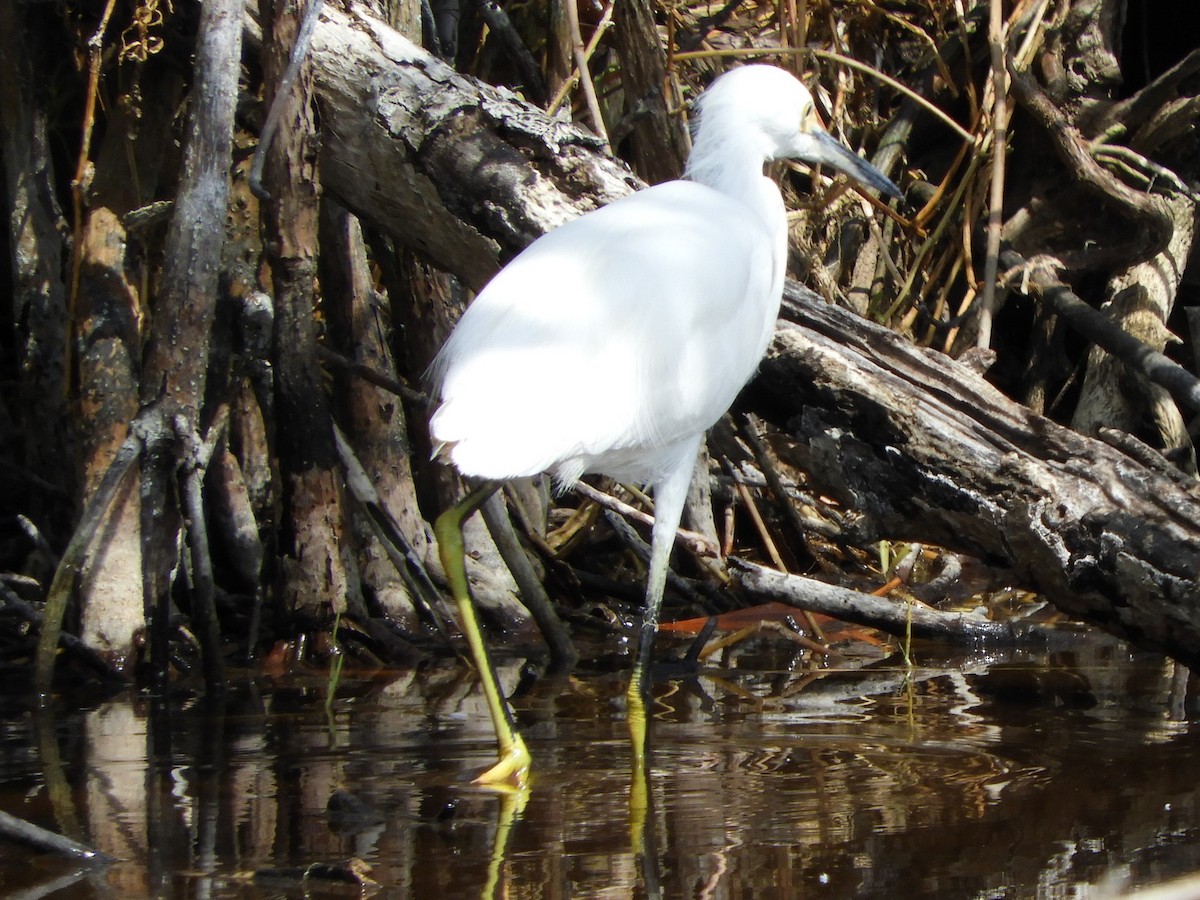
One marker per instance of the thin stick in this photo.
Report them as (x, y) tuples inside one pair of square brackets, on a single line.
[(41, 839), (768, 542), (696, 543), (863, 609), (997, 38), (372, 376), (80, 182), (1041, 281), (563, 654), (844, 60), (585, 77), (204, 605), (308, 25)]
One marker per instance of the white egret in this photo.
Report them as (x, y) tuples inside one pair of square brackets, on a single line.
[(611, 344)]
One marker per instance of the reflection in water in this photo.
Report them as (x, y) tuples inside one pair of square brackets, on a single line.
[(968, 778)]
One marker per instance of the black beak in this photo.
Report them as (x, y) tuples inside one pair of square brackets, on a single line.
[(829, 152)]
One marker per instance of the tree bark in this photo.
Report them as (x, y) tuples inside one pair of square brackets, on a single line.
[(110, 312), (374, 417), (36, 242), (111, 610), (660, 141), (175, 366), (1140, 300), (317, 572)]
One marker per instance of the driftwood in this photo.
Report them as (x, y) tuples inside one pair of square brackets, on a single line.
[(915, 444), (920, 445), (883, 613)]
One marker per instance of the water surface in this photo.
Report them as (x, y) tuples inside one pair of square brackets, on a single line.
[(1073, 774)]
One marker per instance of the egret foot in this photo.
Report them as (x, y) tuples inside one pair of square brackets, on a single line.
[(512, 768)]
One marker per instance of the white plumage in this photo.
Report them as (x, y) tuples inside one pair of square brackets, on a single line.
[(611, 339)]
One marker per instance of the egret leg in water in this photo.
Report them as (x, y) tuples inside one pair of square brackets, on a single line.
[(513, 763), (613, 343)]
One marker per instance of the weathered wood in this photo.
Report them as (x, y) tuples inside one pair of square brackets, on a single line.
[(660, 141), (175, 367), (109, 346), (360, 324), (110, 311), (318, 575), (36, 247), (1139, 300), (458, 171), (563, 654), (46, 841), (920, 446), (65, 575), (894, 617)]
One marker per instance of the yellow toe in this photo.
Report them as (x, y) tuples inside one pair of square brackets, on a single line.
[(512, 768)]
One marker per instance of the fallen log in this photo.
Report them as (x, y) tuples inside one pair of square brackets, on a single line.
[(461, 172), (919, 446)]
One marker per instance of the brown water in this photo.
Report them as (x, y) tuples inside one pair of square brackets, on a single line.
[(1072, 775)]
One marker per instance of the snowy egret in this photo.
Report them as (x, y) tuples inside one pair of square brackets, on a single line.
[(611, 344)]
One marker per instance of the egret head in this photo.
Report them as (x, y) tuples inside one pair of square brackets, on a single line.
[(768, 112)]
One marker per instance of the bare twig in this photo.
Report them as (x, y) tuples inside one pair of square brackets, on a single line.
[(1093, 325), (585, 77), (69, 642), (564, 89), (631, 539), (82, 179), (1153, 224), (750, 430), (772, 551), (499, 22), (987, 299), (366, 373), (563, 654), (41, 839), (408, 565), (844, 60), (696, 543), (864, 609), (204, 607)]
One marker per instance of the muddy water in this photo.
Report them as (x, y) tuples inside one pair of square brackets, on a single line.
[(1075, 774)]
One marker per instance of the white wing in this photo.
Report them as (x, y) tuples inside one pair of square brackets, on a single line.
[(611, 338)]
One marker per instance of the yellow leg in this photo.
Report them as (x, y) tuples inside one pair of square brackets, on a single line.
[(638, 694), (514, 760), (639, 786), (512, 805)]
